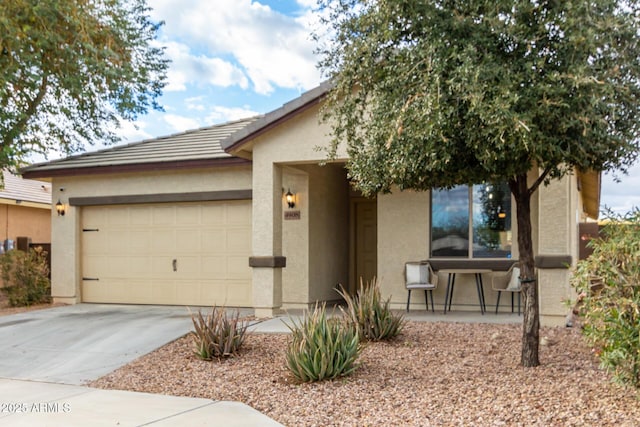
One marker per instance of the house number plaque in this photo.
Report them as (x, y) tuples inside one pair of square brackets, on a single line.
[(288, 215)]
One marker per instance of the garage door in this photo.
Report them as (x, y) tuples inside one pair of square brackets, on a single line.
[(183, 254)]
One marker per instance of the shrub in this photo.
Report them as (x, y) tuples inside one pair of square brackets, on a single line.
[(370, 314), (217, 335), (608, 285), (26, 277), (321, 348)]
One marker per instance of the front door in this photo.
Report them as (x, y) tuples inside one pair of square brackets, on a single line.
[(366, 238)]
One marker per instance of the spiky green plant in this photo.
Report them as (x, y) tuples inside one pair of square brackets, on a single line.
[(321, 348), (370, 314), (217, 335)]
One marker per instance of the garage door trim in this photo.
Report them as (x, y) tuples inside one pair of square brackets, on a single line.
[(201, 196), (191, 253)]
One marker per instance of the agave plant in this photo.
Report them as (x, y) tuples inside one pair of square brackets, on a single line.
[(217, 335), (371, 315), (321, 348)]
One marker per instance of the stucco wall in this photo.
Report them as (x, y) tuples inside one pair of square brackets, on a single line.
[(558, 235), (301, 139), (17, 221), (316, 246), (295, 241), (403, 235), (329, 232), (23, 221), (66, 232), (311, 245)]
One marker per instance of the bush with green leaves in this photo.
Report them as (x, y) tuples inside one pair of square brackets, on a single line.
[(26, 277), (321, 348), (370, 314), (218, 335), (608, 286)]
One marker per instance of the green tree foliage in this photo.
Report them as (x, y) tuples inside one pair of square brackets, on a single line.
[(608, 283), (69, 69), (440, 93)]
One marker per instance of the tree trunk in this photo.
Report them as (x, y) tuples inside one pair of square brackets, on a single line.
[(531, 323)]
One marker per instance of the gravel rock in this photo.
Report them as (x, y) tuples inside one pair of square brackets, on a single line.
[(432, 374)]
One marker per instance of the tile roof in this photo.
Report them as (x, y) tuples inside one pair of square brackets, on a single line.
[(193, 145), (27, 190), (234, 141)]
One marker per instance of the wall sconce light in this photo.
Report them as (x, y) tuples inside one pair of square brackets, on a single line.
[(290, 198), (60, 208)]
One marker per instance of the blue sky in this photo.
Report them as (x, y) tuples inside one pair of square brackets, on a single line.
[(230, 59), (237, 58)]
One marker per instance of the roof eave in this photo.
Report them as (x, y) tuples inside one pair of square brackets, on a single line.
[(590, 188), (34, 173)]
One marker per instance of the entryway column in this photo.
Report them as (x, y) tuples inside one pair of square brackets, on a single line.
[(65, 258), (557, 248), (267, 260)]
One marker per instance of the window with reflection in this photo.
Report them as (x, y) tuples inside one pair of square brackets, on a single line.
[(471, 221)]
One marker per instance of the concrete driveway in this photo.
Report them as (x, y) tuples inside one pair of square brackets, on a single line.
[(79, 343)]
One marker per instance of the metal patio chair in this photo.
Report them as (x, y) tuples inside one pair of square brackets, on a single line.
[(418, 275), (507, 282)]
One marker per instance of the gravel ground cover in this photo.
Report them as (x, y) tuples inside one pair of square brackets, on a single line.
[(433, 374)]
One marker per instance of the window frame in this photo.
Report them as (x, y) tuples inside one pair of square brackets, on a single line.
[(470, 231)]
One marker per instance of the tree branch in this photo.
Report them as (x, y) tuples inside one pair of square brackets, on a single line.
[(30, 112), (539, 181)]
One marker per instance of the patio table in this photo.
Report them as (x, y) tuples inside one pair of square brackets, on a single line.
[(452, 280)]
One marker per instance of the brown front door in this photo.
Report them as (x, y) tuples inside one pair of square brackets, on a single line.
[(366, 237)]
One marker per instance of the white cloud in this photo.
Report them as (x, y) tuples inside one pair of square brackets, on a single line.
[(130, 131), (621, 197), (187, 68), (307, 3), (180, 123), (221, 114), (195, 103), (271, 48)]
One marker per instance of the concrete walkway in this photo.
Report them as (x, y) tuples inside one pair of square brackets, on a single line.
[(27, 403), (41, 351)]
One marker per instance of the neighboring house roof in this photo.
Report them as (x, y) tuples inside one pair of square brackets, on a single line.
[(199, 147), (17, 190), (235, 143)]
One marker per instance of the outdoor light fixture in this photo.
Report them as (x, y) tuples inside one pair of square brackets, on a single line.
[(60, 208), (290, 198), (501, 214)]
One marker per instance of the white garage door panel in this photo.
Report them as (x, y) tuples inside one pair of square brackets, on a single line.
[(132, 254)]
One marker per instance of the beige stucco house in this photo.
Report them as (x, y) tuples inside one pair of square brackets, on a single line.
[(245, 214), (25, 209)]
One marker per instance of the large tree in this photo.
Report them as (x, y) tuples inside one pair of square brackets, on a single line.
[(70, 70), (440, 93)]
